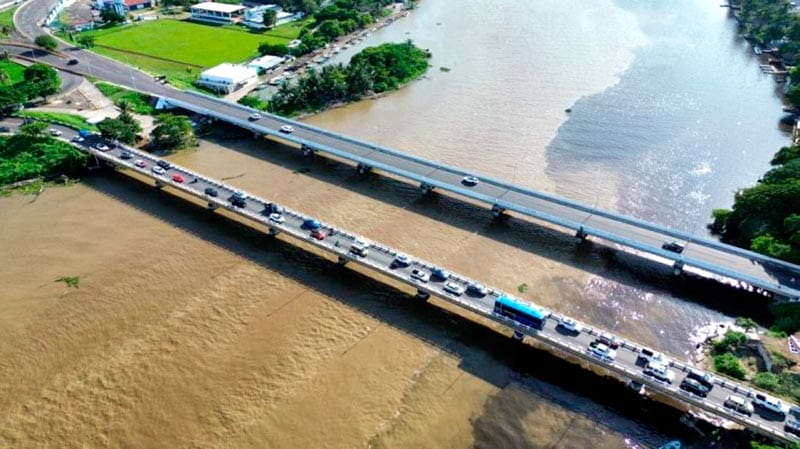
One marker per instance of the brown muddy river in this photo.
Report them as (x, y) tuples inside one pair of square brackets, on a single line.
[(192, 331)]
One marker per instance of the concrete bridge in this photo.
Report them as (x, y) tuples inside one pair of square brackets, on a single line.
[(460, 291)]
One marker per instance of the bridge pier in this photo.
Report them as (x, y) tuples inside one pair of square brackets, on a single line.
[(581, 235), (497, 211), (213, 206), (307, 151), (273, 231), (422, 295), (159, 184), (519, 336), (426, 188), (363, 169), (256, 135), (677, 268), (342, 260)]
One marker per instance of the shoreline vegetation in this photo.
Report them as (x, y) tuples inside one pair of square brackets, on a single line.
[(370, 73), (765, 218)]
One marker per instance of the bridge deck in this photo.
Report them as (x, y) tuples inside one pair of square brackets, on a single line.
[(701, 255), (379, 259)]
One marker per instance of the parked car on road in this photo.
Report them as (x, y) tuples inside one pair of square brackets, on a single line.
[(210, 191), (401, 260), (570, 325), (310, 223), (164, 164), (738, 404), (694, 387), (102, 147), (659, 371), (318, 234), (440, 274), (419, 275), (254, 116), (769, 403), (603, 352), (470, 181), (126, 155), (477, 289), (288, 129), (177, 178), (276, 218), (140, 163), (55, 132), (158, 170)]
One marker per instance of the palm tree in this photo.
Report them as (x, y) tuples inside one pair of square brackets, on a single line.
[(124, 106)]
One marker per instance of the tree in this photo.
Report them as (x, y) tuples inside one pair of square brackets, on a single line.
[(111, 16), (40, 81), (122, 129), (270, 17), (4, 78), (85, 41), (10, 99), (267, 48), (173, 132), (46, 41)]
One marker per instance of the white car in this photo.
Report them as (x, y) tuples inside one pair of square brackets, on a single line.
[(158, 170), (276, 218), (55, 132), (102, 147), (570, 325), (77, 139), (419, 275), (602, 352), (659, 371), (359, 249), (770, 403), (255, 116), (287, 129), (453, 288), (738, 404), (140, 163), (401, 260), (470, 181)]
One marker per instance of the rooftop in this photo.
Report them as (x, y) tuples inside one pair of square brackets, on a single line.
[(229, 71), (218, 7)]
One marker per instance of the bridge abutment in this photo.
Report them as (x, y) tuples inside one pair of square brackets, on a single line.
[(519, 336), (159, 185), (677, 268), (212, 206), (363, 169), (273, 231), (342, 260), (307, 150), (426, 188), (422, 295), (581, 235)]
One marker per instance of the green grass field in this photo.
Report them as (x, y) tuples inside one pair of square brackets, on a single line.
[(71, 120), (185, 45), (7, 19), (138, 103), (13, 70)]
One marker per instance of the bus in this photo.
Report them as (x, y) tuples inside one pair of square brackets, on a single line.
[(520, 312)]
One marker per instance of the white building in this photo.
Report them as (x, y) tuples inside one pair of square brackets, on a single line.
[(227, 78), (254, 17), (217, 12), (265, 63)]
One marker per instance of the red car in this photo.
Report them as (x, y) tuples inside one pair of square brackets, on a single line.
[(177, 178), (317, 234)]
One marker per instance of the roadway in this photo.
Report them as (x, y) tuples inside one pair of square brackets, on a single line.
[(701, 255), (381, 258)]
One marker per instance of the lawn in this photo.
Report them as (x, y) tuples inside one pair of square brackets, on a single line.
[(138, 103), (71, 120), (7, 20), (188, 43), (13, 70)]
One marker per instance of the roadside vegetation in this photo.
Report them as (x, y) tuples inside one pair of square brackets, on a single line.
[(173, 132), (134, 101), (32, 152), (7, 21), (11, 73), (372, 71), (61, 118)]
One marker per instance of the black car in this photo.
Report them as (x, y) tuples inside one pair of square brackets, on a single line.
[(792, 426), (704, 379), (164, 164), (673, 246), (5, 129), (126, 155), (272, 208), (694, 387), (72, 62), (210, 191)]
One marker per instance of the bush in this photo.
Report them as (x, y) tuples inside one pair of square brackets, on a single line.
[(746, 323), (728, 364), (787, 317), (766, 381), (729, 343)]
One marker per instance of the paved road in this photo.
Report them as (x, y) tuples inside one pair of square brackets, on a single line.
[(383, 260), (701, 255)]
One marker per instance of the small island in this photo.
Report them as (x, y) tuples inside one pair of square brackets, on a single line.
[(373, 71)]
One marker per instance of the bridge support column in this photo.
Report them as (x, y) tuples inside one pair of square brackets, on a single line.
[(307, 151), (426, 188), (581, 235), (159, 184), (497, 211), (342, 260), (422, 295), (273, 231), (519, 336), (363, 169), (256, 135), (677, 268), (212, 206)]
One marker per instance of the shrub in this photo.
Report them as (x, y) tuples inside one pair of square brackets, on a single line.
[(767, 381), (730, 365), (729, 343)]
